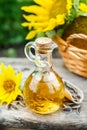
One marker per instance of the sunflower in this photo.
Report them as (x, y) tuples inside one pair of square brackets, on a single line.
[(45, 15), (9, 84)]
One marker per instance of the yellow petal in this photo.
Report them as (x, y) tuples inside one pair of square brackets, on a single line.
[(25, 24), (2, 90), (38, 25), (35, 18), (1, 94), (2, 67), (18, 79), (4, 96), (60, 19), (1, 77), (9, 99), (51, 25), (83, 7), (46, 3), (69, 5), (31, 35), (10, 69), (35, 9), (17, 92), (7, 72)]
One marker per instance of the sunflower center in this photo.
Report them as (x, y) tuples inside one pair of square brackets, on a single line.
[(59, 7), (9, 85)]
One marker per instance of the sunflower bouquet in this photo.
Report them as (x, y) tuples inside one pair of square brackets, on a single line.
[(49, 18)]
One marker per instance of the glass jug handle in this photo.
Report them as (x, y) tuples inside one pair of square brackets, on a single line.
[(31, 56), (28, 52)]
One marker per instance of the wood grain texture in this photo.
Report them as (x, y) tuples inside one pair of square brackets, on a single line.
[(60, 120)]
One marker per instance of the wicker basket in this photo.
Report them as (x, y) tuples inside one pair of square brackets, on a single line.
[(74, 52)]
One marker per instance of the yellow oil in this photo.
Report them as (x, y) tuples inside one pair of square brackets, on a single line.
[(44, 93)]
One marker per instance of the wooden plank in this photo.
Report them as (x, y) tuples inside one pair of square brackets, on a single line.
[(64, 120), (24, 118)]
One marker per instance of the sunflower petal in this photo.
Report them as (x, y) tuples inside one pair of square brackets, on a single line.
[(25, 24), (18, 78), (34, 18), (31, 35), (83, 7), (69, 5), (51, 25), (35, 9), (60, 19), (47, 5), (9, 99), (3, 67), (4, 96)]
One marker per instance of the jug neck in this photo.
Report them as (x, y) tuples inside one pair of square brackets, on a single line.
[(44, 58)]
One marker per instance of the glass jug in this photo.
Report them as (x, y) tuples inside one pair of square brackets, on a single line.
[(43, 89)]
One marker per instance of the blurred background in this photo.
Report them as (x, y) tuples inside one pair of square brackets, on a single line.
[(12, 34)]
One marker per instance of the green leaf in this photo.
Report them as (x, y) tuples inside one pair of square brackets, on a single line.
[(51, 33), (60, 32), (83, 1), (71, 16), (76, 3), (42, 34), (80, 13)]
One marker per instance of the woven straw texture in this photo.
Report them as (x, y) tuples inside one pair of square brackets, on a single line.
[(74, 53)]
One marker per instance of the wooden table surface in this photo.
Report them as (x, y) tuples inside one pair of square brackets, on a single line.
[(60, 120)]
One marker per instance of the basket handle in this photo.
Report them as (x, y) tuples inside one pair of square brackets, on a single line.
[(72, 36), (58, 40)]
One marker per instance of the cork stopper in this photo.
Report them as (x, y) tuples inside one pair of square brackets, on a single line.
[(43, 42)]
